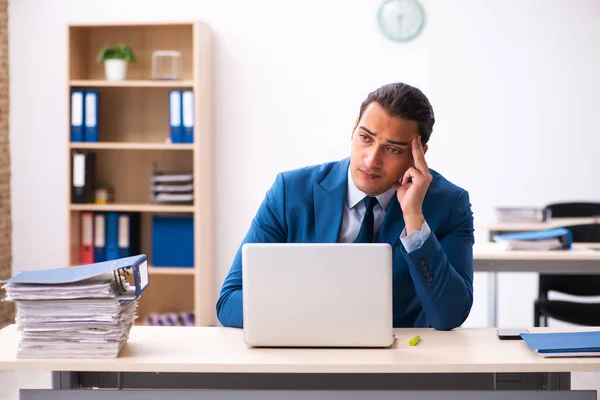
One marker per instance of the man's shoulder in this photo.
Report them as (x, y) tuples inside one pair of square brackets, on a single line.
[(441, 186), (310, 173)]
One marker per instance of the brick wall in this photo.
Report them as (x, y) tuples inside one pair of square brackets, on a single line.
[(6, 309)]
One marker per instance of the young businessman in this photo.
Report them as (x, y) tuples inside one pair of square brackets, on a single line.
[(384, 193)]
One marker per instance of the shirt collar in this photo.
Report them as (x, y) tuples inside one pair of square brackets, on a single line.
[(355, 195)]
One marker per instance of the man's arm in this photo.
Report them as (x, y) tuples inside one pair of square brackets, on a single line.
[(268, 226), (442, 270)]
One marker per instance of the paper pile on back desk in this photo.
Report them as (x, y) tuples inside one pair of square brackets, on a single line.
[(77, 319)]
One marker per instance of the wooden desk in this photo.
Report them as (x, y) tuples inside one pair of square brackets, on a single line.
[(535, 261), (498, 227), (217, 359), (583, 258)]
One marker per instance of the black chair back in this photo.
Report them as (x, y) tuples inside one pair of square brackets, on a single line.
[(574, 210), (581, 285)]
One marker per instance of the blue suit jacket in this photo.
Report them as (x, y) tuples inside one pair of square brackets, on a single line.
[(432, 286)]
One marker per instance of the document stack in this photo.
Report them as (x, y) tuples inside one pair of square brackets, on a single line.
[(175, 187), (549, 239), (564, 344), (523, 214), (85, 311)]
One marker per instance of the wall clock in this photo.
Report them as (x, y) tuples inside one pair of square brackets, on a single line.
[(400, 20)]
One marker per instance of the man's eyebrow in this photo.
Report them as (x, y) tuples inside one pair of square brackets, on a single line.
[(389, 141)]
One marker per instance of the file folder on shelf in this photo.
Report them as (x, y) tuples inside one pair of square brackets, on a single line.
[(175, 116), (87, 238), (129, 234), (77, 115), (568, 344), (91, 116), (187, 110), (99, 237), (83, 177), (137, 264), (112, 235), (549, 239)]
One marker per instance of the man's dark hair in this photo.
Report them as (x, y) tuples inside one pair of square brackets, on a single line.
[(408, 102)]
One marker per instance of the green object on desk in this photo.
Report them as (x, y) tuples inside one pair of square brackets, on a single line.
[(414, 341)]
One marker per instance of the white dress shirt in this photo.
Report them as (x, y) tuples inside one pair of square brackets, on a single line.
[(354, 210)]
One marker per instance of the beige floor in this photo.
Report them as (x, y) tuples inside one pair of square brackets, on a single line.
[(11, 382)]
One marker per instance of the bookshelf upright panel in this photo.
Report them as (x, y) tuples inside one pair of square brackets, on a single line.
[(133, 138)]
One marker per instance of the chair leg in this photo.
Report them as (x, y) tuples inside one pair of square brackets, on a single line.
[(545, 320), (536, 316)]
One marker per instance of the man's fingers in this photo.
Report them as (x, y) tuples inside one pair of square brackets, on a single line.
[(410, 173), (419, 155)]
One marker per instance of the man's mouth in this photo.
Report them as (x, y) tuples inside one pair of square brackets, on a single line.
[(368, 175)]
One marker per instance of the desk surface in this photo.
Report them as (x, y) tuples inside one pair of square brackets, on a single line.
[(534, 226), (222, 350), (496, 251)]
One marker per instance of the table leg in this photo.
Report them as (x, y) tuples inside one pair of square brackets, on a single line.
[(492, 286)]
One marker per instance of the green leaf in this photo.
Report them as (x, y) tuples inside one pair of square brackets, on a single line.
[(118, 52)]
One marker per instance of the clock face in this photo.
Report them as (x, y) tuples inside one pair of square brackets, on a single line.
[(400, 20)]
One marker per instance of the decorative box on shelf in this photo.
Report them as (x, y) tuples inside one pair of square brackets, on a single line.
[(166, 65)]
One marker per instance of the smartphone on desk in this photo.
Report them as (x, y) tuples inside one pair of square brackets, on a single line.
[(510, 334)]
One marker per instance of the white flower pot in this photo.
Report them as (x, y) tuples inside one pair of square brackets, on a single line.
[(115, 70)]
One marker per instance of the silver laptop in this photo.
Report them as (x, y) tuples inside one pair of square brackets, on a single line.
[(317, 295)]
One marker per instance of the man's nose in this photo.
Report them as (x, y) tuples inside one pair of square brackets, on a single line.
[(373, 159)]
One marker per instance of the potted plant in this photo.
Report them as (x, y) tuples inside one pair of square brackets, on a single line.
[(115, 61)]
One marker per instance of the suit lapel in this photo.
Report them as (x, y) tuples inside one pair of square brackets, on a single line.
[(392, 224), (329, 198)]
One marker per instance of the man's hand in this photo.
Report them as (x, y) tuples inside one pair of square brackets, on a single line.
[(411, 194)]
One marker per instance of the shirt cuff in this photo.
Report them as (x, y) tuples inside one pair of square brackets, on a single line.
[(415, 240)]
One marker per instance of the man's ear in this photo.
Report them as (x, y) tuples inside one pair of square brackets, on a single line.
[(425, 147)]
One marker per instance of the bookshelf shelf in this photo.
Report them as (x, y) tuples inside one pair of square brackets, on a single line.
[(170, 271), (132, 83), (133, 142), (124, 207), (131, 146)]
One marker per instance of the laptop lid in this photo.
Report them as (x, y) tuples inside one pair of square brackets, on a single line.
[(317, 294)]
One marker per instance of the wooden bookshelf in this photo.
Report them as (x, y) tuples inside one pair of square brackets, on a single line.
[(131, 146), (132, 83), (133, 123), (170, 271), (125, 207)]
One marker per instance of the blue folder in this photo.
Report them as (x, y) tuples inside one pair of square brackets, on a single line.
[(564, 344), (187, 116), (77, 115), (112, 235), (138, 264), (175, 116), (91, 115), (563, 234)]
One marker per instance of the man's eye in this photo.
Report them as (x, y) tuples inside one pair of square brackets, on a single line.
[(394, 150), (364, 137)]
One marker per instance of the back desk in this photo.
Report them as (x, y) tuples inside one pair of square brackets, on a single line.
[(215, 363)]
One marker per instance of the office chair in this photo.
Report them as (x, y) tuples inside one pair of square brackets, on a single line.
[(579, 285)]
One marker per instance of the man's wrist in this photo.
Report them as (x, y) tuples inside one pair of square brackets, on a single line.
[(413, 222)]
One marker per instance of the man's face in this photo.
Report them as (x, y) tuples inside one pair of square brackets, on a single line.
[(381, 149)]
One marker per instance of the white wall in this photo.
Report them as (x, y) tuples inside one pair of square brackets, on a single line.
[(514, 85)]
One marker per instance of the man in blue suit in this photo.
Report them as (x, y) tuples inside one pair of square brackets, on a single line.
[(384, 192)]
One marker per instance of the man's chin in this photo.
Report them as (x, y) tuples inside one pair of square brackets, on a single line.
[(370, 190)]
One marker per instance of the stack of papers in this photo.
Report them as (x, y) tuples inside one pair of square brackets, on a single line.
[(523, 214), (571, 344), (177, 188), (87, 318), (549, 239), (546, 244)]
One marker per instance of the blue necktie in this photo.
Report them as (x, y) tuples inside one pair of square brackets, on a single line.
[(365, 235)]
